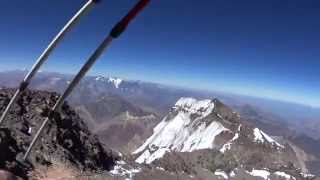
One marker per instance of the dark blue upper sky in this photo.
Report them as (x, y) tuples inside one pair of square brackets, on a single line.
[(267, 48)]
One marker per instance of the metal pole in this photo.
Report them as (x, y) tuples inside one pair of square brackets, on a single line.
[(45, 54), (115, 32)]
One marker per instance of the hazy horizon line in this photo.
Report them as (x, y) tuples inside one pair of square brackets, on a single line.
[(180, 87)]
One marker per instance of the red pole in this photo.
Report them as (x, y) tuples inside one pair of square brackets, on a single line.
[(121, 26)]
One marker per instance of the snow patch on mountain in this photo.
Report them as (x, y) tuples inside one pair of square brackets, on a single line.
[(260, 136), (191, 105), (122, 169), (221, 173), (306, 175), (203, 137), (265, 174), (232, 173), (260, 173), (148, 158), (284, 175), (114, 81), (227, 146)]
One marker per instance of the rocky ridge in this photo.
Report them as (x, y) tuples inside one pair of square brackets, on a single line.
[(66, 138)]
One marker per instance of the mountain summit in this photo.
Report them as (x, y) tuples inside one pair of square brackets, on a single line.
[(183, 130), (208, 129), (115, 81)]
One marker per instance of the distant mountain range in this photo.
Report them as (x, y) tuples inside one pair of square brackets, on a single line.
[(157, 98), (131, 108)]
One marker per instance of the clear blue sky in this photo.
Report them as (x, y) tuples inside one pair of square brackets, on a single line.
[(267, 48)]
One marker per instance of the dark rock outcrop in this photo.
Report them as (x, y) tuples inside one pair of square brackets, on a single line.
[(66, 138)]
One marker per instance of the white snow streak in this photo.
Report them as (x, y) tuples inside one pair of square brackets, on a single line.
[(284, 175), (260, 136), (204, 107), (270, 140), (203, 138), (156, 155), (257, 135), (227, 146), (305, 175), (143, 157), (260, 173), (232, 174), (266, 174), (115, 81), (29, 130), (121, 171), (221, 173)]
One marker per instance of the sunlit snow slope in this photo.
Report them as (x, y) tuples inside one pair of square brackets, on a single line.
[(193, 125)]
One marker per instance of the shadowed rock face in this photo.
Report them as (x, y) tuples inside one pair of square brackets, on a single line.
[(5, 175), (66, 138), (9, 150)]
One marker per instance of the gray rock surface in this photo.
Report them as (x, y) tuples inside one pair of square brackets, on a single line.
[(66, 138)]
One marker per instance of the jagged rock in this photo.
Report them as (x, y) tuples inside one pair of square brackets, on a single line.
[(9, 150), (66, 138)]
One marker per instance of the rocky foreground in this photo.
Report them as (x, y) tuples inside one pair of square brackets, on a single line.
[(66, 139)]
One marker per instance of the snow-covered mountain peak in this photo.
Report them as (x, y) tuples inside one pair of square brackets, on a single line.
[(114, 81), (191, 105), (201, 124), (182, 131), (100, 78)]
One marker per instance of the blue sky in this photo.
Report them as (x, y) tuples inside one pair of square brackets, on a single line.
[(267, 48)]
